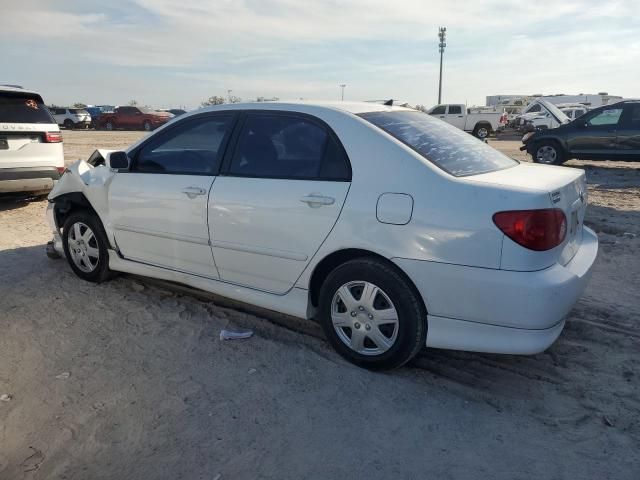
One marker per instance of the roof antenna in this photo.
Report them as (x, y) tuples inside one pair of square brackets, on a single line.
[(389, 103)]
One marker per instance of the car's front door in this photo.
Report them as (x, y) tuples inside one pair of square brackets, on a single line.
[(158, 209), (594, 134), (279, 195), (629, 132)]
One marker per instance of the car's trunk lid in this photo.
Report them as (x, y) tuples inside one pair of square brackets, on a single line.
[(564, 188)]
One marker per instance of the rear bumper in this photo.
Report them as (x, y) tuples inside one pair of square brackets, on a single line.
[(27, 179), (500, 311)]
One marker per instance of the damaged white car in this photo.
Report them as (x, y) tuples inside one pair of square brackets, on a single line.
[(393, 229)]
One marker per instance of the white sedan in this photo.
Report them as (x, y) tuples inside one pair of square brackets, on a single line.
[(391, 228)]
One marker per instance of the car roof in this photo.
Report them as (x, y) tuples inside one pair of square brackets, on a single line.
[(10, 88), (307, 106)]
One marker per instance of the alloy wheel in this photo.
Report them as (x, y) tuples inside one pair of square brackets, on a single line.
[(546, 154), (83, 247)]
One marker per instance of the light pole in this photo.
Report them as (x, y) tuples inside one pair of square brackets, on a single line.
[(342, 85), (229, 94), (442, 35)]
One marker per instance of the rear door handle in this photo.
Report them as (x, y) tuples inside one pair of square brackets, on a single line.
[(316, 201), (193, 192)]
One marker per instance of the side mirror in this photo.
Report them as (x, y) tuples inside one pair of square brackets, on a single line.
[(119, 160)]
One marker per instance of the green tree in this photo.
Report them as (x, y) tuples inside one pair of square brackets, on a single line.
[(79, 105), (133, 103)]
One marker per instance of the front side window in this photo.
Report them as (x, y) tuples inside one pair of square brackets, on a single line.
[(610, 116), (439, 110), (191, 148), (287, 146), (446, 146)]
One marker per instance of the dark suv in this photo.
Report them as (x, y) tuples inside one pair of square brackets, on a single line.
[(610, 132)]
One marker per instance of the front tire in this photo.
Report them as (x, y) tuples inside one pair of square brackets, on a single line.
[(372, 315), (86, 247), (110, 126), (68, 124), (548, 153), (147, 126)]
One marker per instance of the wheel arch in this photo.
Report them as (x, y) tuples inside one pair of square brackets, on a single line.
[(325, 266), (67, 203)]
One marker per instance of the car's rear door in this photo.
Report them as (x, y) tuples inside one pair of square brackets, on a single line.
[(629, 132), (278, 197), (594, 135), (158, 209), (455, 116)]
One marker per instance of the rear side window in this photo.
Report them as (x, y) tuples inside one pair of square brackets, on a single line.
[(193, 148), (448, 147), (455, 109), (287, 146), (16, 107), (632, 116)]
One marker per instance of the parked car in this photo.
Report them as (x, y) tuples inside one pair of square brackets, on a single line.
[(608, 132), (480, 122), (549, 116), (176, 112), (133, 118), (574, 112), (391, 228), (31, 157), (96, 110), (71, 117)]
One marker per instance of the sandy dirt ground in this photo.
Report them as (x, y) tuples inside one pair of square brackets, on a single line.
[(129, 380)]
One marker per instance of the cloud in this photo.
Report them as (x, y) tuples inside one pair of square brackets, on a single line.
[(180, 53)]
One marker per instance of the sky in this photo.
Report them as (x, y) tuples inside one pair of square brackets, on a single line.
[(171, 53)]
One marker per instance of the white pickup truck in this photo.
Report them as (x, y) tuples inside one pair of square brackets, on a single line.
[(479, 121)]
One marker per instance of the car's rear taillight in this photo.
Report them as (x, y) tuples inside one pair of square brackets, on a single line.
[(52, 137), (61, 170), (534, 229)]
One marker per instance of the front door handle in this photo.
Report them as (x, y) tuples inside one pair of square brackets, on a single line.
[(193, 192), (316, 201)]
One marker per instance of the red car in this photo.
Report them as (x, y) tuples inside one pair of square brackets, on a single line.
[(133, 118)]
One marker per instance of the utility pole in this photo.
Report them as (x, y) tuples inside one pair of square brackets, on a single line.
[(442, 35), (229, 91), (342, 85)]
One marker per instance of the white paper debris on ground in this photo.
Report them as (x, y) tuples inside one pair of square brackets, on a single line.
[(238, 333), (5, 397), (63, 376)]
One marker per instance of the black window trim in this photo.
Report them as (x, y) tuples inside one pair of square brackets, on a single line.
[(133, 155), (625, 119), (239, 128)]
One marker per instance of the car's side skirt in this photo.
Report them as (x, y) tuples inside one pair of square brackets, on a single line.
[(292, 303)]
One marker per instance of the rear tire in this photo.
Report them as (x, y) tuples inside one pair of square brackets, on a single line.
[(548, 153), (110, 126), (482, 131), (147, 126), (86, 247), (372, 315)]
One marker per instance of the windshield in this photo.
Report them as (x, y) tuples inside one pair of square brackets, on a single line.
[(78, 110), (17, 107), (448, 147)]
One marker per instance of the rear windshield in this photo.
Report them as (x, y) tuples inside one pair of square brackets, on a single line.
[(448, 147), (20, 108)]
